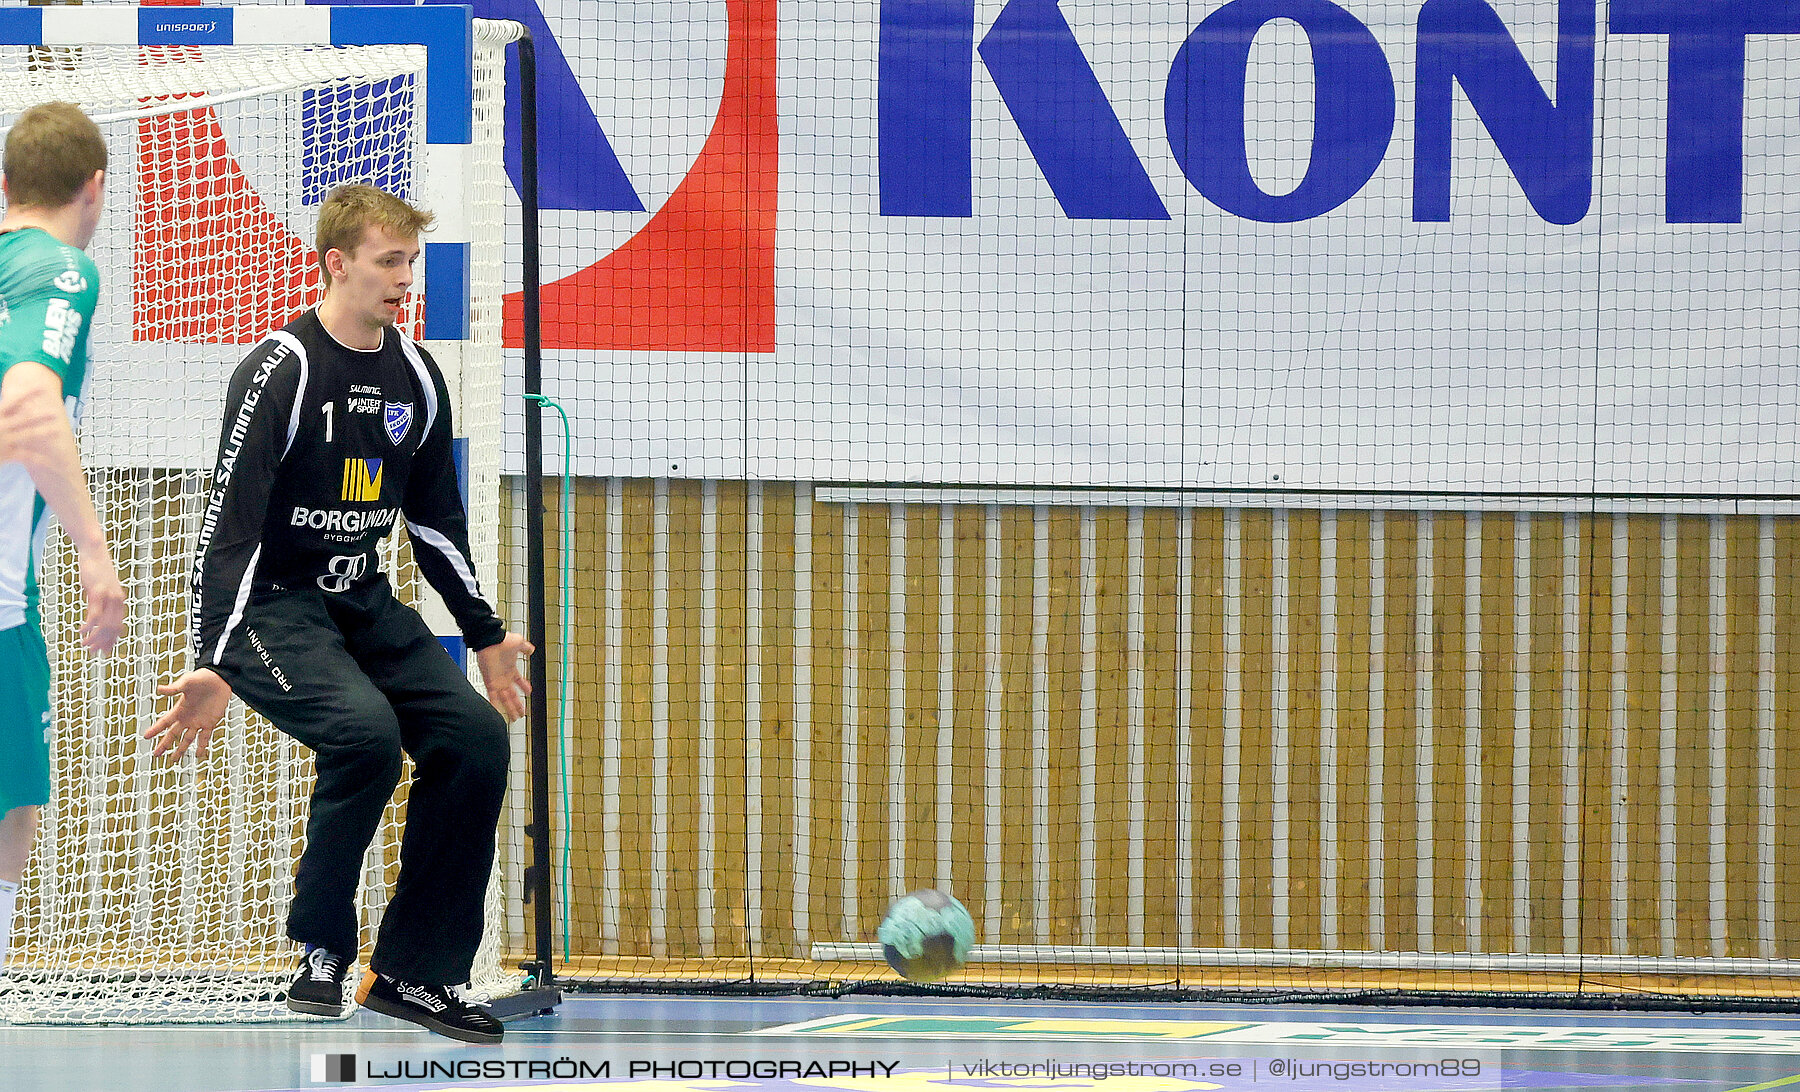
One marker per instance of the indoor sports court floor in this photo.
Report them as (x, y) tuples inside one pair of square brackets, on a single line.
[(866, 1044)]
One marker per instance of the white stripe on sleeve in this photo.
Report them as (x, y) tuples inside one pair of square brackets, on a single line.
[(442, 545), (237, 607)]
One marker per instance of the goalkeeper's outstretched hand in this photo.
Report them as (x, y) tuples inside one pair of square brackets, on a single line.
[(502, 672), (200, 700)]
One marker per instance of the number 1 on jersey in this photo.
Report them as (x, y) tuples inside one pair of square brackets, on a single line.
[(326, 410)]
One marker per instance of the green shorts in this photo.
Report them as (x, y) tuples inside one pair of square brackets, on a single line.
[(24, 718)]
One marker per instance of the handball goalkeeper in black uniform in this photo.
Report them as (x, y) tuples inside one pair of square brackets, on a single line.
[(336, 427)]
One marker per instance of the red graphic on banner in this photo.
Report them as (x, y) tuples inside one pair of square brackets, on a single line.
[(210, 262), (700, 276)]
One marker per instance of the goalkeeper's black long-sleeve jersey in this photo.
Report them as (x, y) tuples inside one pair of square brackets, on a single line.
[(323, 449)]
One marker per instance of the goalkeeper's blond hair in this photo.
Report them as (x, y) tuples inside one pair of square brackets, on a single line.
[(349, 211)]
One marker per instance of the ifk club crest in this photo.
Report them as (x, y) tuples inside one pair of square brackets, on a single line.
[(397, 416)]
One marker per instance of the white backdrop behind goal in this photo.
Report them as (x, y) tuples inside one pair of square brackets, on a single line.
[(1057, 327)]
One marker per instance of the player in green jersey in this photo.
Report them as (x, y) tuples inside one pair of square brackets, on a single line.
[(54, 174)]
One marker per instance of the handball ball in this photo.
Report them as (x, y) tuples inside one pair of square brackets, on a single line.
[(926, 935)]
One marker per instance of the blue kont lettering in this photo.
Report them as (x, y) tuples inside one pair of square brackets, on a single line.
[(1048, 86), (1064, 117), (1705, 166), (1548, 144), (1353, 109), (927, 67), (1547, 139)]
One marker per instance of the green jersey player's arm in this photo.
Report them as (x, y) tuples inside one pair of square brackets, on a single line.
[(35, 432), (43, 358), (44, 326)]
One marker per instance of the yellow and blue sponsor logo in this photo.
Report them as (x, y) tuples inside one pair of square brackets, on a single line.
[(362, 480)]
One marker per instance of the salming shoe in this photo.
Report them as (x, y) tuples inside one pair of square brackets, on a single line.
[(318, 990), (436, 1008)]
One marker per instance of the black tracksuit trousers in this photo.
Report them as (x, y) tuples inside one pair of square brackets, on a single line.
[(358, 677)]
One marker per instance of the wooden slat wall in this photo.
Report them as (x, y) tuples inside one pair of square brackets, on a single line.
[(1440, 732)]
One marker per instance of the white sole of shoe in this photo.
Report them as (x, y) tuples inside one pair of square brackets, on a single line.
[(315, 1008)]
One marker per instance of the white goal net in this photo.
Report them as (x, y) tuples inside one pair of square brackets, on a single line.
[(159, 892)]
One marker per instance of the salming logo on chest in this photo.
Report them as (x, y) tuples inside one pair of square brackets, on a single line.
[(365, 399)]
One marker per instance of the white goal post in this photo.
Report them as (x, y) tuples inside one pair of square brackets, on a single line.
[(156, 892)]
